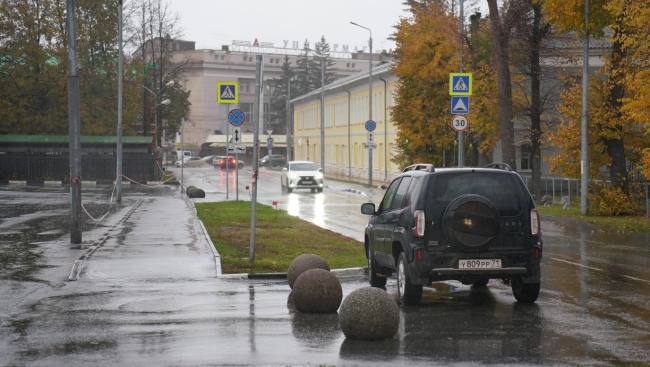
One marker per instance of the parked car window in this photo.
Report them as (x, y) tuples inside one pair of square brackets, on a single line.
[(400, 193), (502, 190), (388, 197)]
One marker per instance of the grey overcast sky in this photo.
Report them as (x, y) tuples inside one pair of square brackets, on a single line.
[(213, 23)]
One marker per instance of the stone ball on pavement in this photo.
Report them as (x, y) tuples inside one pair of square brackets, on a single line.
[(369, 314), (317, 291), (303, 263), (198, 193)]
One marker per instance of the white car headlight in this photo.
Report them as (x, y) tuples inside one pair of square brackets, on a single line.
[(319, 175), (293, 176)]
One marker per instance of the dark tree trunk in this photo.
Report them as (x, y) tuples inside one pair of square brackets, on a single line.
[(616, 147), (536, 101), (501, 38)]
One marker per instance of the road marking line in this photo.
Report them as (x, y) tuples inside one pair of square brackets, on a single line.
[(592, 268), (572, 263), (633, 278)]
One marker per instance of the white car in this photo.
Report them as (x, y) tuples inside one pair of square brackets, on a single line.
[(301, 175), (190, 162)]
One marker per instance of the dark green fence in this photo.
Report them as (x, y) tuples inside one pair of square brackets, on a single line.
[(56, 167)]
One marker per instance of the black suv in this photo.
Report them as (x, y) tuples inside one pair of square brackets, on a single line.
[(465, 224)]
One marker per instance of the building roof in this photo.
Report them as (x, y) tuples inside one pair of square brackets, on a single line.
[(65, 139), (341, 83)]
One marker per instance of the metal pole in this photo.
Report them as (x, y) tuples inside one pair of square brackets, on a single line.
[(584, 125), (322, 113), (370, 106), (256, 137), (369, 99), (461, 134), (227, 154), (349, 135), (75, 128), (288, 115), (118, 175), (182, 150)]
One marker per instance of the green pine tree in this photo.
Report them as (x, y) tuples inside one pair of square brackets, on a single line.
[(279, 98)]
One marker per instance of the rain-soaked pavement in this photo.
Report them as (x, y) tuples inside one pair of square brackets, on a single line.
[(149, 295)]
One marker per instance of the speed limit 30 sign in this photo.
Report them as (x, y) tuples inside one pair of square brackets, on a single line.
[(459, 123)]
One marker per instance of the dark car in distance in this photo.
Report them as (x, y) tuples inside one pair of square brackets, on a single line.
[(464, 224), (227, 162), (273, 160)]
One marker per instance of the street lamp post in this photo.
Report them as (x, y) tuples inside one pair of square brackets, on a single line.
[(322, 113), (369, 98), (155, 111), (118, 178), (288, 118)]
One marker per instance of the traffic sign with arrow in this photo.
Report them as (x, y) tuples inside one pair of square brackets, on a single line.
[(236, 135)]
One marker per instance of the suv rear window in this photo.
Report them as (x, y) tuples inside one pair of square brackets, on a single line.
[(501, 189)]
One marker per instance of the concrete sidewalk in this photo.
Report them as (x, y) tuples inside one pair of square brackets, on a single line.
[(159, 237)]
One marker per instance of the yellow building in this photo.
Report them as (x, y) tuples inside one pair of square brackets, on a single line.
[(345, 135)]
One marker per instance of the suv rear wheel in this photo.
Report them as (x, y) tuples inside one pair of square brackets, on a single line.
[(375, 280), (409, 294), (524, 292)]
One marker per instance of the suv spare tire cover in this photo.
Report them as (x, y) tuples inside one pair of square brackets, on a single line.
[(472, 222)]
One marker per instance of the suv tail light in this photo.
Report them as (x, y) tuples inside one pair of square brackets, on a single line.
[(534, 222), (419, 223)]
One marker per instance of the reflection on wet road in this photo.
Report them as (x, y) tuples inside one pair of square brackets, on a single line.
[(592, 310)]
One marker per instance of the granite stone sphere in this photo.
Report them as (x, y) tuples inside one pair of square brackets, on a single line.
[(198, 193), (317, 291), (369, 314), (189, 190), (303, 263)]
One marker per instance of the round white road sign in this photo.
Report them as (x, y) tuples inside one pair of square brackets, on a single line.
[(459, 123)]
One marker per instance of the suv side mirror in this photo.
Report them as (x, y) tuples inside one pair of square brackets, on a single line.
[(284, 169), (368, 208)]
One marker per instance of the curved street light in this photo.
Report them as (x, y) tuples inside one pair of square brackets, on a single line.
[(369, 98)]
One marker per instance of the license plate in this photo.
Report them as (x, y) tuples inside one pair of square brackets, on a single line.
[(306, 181), (479, 264)]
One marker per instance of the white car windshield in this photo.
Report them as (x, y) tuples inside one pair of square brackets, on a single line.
[(303, 167)]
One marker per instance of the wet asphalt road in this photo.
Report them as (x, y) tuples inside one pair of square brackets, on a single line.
[(158, 302)]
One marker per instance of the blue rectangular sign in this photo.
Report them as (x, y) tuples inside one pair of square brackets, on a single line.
[(459, 105)]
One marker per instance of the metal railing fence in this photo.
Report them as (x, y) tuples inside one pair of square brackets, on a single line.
[(56, 167)]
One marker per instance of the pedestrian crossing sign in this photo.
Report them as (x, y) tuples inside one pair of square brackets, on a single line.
[(460, 84), (227, 92)]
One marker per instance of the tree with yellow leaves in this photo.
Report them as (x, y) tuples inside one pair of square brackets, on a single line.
[(426, 53), (612, 138)]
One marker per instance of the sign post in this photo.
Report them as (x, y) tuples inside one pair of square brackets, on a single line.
[(236, 118), (370, 126), (460, 88)]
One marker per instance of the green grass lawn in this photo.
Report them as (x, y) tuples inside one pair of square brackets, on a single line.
[(279, 239), (614, 224)]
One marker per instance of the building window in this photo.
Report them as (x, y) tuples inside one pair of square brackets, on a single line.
[(271, 60), (222, 57), (250, 59), (526, 154), (353, 66), (245, 57)]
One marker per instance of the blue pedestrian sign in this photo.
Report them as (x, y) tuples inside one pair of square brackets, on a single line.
[(371, 125), (460, 84), (236, 117), (459, 105), (227, 92)]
